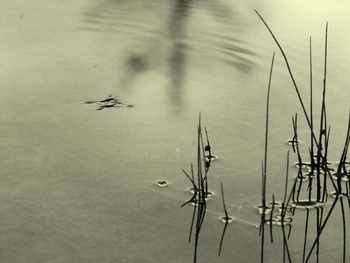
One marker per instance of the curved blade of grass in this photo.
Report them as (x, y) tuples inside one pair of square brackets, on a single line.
[(289, 70)]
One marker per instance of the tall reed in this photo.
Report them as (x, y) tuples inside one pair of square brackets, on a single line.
[(199, 185)]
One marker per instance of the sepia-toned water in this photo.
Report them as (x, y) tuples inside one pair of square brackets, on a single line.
[(80, 185)]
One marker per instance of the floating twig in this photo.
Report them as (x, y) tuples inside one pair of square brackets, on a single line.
[(110, 102)]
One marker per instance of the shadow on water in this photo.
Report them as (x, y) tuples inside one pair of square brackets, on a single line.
[(163, 34)]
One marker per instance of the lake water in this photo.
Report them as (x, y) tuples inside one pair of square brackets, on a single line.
[(79, 184)]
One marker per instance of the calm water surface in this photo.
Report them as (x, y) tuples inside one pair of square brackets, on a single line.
[(79, 185)]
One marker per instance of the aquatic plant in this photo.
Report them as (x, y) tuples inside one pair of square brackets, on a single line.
[(318, 165), (323, 132), (264, 166), (309, 191), (200, 190)]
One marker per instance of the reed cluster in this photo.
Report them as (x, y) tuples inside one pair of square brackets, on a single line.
[(310, 190), (314, 181), (199, 186)]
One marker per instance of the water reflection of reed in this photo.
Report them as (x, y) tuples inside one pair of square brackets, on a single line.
[(177, 54), (165, 42)]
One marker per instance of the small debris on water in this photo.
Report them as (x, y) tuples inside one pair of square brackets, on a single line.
[(109, 102), (162, 183)]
